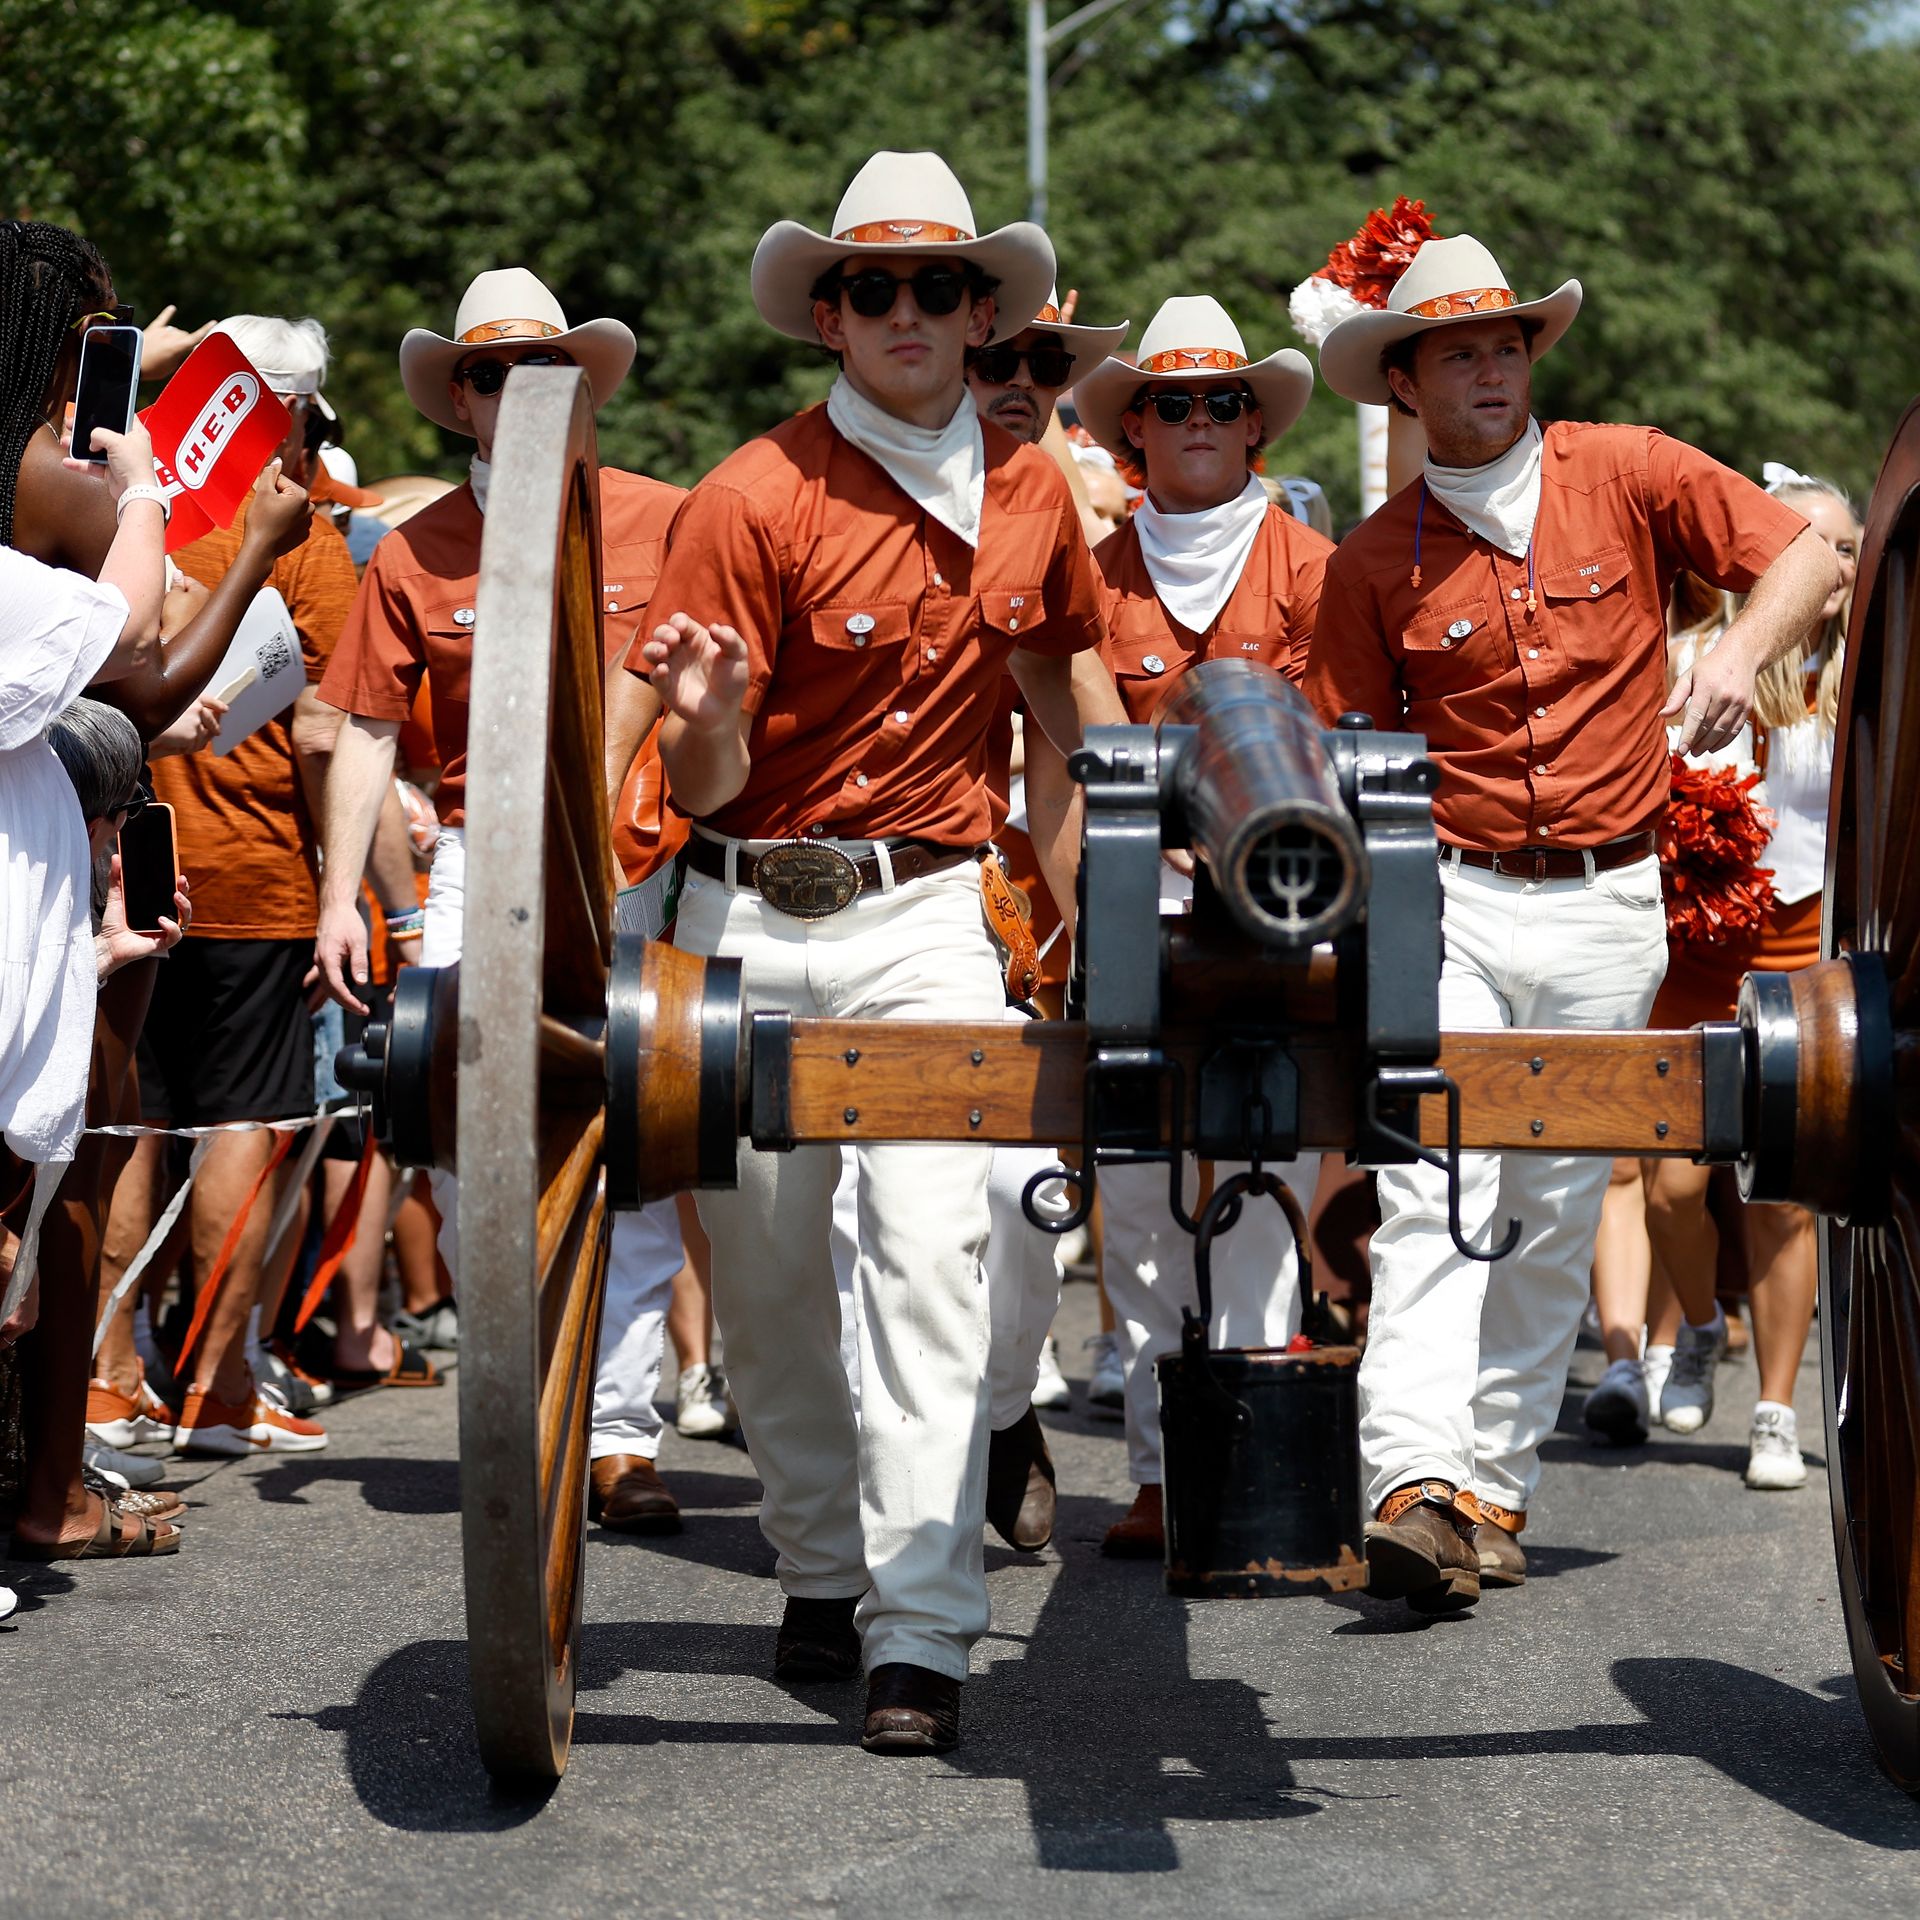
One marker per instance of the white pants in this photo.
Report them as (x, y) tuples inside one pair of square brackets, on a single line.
[(1148, 1269), (644, 1256), (1465, 1362), (645, 1253), (892, 1508), (1023, 1274)]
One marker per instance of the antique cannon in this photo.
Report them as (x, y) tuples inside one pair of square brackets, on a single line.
[(562, 1071)]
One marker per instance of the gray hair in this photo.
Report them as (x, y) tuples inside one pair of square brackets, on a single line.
[(101, 751), (290, 355)]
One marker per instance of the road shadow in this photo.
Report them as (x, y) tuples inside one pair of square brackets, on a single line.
[(1574, 1449), (388, 1483)]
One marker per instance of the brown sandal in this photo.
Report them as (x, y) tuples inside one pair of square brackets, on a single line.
[(108, 1542)]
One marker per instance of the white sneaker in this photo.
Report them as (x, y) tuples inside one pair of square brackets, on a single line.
[(1617, 1407), (1108, 1386), (1686, 1402), (1072, 1249), (8, 1601), (1655, 1365), (1051, 1389), (1773, 1441), (703, 1408)]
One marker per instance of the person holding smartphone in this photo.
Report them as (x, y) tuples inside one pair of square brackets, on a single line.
[(54, 286)]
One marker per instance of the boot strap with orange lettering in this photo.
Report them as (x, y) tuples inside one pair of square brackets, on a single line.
[(1433, 1493), (1009, 915), (1505, 1518)]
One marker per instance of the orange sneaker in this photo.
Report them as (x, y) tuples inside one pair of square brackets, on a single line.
[(119, 1419), (247, 1426)]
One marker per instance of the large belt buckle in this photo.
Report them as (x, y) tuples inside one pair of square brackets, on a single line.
[(805, 880)]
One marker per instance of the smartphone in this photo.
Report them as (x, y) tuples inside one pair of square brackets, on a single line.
[(109, 384), (149, 867)]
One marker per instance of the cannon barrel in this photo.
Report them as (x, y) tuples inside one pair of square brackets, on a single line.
[(1263, 806)]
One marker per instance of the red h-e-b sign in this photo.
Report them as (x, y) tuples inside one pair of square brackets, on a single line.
[(215, 425)]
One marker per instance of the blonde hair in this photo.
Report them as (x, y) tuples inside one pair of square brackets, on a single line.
[(1698, 613), (1780, 691)]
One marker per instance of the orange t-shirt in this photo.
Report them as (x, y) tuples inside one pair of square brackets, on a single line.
[(414, 613), (1269, 616), (246, 840), (877, 636), (1546, 725)]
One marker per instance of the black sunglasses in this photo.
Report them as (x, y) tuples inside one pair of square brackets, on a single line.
[(872, 291), (1051, 367), (487, 377), (1222, 407), (136, 803)]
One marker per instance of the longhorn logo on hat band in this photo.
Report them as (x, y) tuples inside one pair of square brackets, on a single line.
[(489, 330), (1179, 359), (1475, 300), (902, 233)]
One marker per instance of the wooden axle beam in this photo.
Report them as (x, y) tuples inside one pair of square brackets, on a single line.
[(1520, 1091)]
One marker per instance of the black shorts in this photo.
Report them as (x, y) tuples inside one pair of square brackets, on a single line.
[(227, 1036)]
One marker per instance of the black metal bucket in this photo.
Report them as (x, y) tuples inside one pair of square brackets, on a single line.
[(1260, 1447)]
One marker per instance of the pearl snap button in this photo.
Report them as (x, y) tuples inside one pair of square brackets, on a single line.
[(1533, 653), (1595, 587), (901, 716), (463, 616), (1542, 832), (1539, 713), (1445, 642), (859, 779), (1514, 594)]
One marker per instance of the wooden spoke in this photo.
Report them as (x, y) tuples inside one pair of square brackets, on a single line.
[(1870, 1276), (531, 1088)]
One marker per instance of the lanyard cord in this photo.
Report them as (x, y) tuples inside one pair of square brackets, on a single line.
[(1419, 527)]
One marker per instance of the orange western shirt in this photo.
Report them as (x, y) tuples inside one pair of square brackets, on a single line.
[(245, 837), (414, 613), (877, 636), (1545, 725), (1269, 616)]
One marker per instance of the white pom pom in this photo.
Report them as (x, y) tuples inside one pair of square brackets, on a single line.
[(1318, 306)]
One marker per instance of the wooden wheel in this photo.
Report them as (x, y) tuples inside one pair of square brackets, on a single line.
[(537, 944), (1870, 1271)]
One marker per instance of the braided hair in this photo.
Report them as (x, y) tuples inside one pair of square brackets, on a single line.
[(49, 277)]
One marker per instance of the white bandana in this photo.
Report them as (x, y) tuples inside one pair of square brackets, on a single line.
[(479, 472), (1195, 559), (1499, 501), (941, 469)]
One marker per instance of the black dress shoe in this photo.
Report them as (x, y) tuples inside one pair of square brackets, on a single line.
[(911, 1710), (1020, 1484), (817, 1641)]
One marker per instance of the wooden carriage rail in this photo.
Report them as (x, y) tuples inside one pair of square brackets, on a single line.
[(1520, 1091)]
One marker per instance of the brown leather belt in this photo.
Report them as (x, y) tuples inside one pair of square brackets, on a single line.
[(810, 879), (1555, 863)]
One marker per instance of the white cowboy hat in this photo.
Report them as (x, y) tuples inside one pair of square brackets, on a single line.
[(509, 306), (900, 203), (1445, 282), (1086, 344), (1192, 339)]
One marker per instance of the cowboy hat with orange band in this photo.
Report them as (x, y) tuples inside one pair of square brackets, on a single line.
[(509, 307), (901, 203), (1446, 282)]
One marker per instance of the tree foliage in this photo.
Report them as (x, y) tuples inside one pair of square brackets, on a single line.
[(1730, 179)]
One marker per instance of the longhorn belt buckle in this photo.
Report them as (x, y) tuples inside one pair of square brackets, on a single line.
[(805, 880)]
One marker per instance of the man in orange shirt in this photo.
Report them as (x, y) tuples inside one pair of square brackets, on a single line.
[(228, 1036), (1510, 605), (414, 619), (840, 601), (1206, 569)]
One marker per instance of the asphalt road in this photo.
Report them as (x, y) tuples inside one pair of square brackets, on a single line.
[(275, 1722)]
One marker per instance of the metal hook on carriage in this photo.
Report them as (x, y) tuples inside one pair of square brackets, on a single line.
[(1402, 1081)]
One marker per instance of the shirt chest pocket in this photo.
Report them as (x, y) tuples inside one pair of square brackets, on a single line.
[(1012, 611), (1597, 581), (1449, 646), (623, 609), (449, 629), (869, 628)]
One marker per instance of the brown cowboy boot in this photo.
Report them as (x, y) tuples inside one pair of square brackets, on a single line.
[(1421, 1549), (1142, 1534), (625, 1492), (1020, 1482)]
